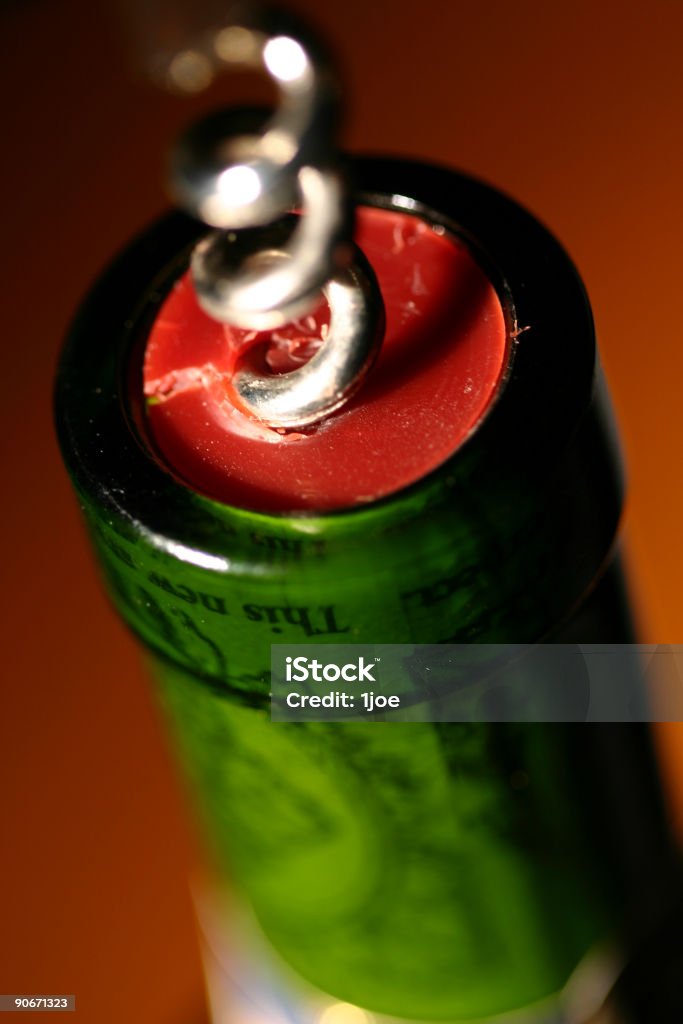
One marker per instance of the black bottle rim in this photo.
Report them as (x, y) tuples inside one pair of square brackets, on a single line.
[(548, 386)]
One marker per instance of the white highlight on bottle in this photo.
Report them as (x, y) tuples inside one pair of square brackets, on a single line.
[(345, 1013)]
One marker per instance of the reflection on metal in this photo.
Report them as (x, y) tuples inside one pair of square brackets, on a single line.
[(339, 366)]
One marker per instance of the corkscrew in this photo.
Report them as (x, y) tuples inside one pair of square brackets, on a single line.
[(263, 265)]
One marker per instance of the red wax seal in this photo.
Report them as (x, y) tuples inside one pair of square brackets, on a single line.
[(442, 358)]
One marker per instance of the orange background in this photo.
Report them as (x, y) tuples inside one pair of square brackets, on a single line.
[(572, 108)]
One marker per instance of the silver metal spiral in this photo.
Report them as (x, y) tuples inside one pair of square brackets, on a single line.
[(242, 173)]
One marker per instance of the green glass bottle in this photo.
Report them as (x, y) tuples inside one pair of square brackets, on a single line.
[(428, 871)]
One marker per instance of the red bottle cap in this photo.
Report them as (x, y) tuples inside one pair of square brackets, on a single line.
[(443, 356)]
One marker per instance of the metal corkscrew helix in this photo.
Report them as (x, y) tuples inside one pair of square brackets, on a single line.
[(265, 266)]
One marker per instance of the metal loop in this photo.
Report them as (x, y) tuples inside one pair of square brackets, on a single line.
[(252, 291), (326, 381), (240, 175)]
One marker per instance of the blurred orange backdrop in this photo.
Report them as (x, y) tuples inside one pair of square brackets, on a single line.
[(575, 110)]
